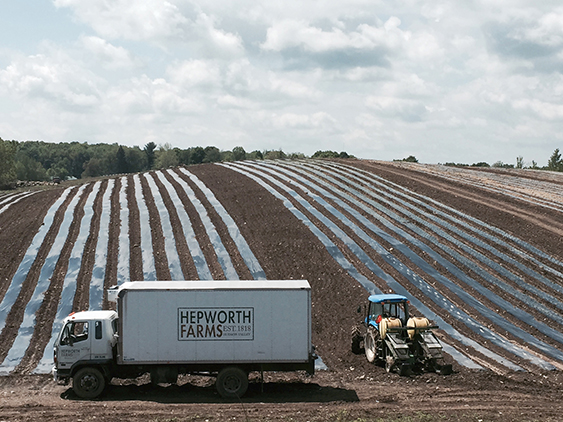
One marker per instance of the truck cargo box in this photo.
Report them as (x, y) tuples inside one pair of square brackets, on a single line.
[(200, 322)]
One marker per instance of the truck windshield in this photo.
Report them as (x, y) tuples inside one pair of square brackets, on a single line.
[(74, 332)]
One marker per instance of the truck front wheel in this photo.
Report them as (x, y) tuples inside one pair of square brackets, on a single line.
[(232, 382), (88, 383)]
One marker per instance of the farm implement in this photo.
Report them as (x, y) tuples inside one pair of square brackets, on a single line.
[(396, 340)]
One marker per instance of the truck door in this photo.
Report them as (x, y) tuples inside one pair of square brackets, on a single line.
[(100, 343), (74, 344)]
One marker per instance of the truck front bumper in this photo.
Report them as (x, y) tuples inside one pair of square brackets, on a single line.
[(61, 379)]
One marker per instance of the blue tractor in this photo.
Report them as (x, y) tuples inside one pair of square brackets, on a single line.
[(391, 337)]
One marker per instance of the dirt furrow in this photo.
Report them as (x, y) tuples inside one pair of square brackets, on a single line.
[(199, 231), (82, 294), (186, 261), (113, 242), (136, 259), (47, 312), (207, 174), (16, 314), (160, 259), (529, 222)]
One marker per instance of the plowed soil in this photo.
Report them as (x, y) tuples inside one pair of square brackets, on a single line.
[(352, 389)]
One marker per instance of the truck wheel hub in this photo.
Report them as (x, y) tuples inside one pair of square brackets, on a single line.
[(89, 382), (232, 384)]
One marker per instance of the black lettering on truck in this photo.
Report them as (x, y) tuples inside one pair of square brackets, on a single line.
[(221, 323)]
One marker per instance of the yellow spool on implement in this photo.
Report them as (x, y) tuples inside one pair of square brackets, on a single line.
[(388, 323), (417, 322)]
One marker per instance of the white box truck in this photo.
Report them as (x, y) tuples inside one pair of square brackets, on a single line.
[(166, 328)]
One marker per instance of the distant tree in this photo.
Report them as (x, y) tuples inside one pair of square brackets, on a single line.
[(519, 162), (93, 168), (136, 159), (410, 159), (255, 155), (212, 155), (534, 165), (121, 165), (184, 156), (58, 171), (7, 164), (28, 168), (239, 154), (77, 154), (197, 155), (480, 164), (149, 151), (500, 164), (274, 155), (166, 157), (555, 163), (325, 154), (227, 156)]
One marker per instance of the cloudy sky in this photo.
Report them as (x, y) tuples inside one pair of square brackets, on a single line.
[(458, 80)]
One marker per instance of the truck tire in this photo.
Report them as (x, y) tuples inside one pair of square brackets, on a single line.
[(88, 383), (232, 382)]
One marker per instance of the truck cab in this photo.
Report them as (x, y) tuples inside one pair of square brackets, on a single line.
[(86, 338)]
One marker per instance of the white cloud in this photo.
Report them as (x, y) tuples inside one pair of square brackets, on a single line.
[(108, 55), (444, 81), (129, 19), (51, 77), (152, 97), (406, 109), (219, 41), (291, 88), (300, 34), (195, 72), (302, 121), (230, 101)]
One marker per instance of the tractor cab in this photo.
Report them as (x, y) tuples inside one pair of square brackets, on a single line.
[(387, 306)]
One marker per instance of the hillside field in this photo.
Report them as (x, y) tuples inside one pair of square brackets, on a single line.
[(477, 251)]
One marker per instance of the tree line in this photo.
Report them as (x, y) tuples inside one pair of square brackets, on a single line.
[(555, 163), (44, 161)]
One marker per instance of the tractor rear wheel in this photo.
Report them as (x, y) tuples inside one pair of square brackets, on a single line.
[(357, 339), (370, 345)]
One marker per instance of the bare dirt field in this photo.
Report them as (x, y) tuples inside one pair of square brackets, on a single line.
[(509, 265)]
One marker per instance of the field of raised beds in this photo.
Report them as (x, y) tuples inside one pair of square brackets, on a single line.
[(478, 252)]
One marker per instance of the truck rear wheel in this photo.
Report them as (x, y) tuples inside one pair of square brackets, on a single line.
[(88, 383), (232, 382)]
